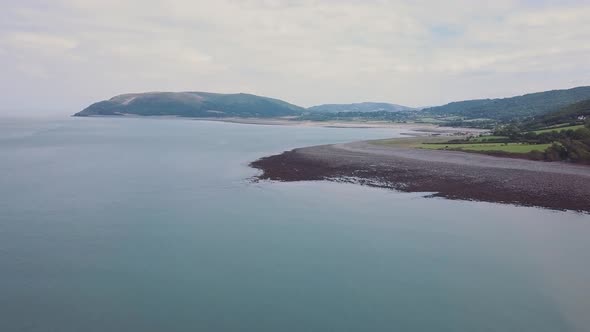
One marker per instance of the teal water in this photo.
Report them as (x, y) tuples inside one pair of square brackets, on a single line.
[(152, 225)]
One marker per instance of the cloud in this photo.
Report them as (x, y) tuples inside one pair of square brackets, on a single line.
[(309, 51), (39, 41)]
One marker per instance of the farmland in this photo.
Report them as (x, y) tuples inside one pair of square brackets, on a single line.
[(488, 147), (557, 129)]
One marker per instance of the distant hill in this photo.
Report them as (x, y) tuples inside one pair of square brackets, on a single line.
[(192, 104), (482, 113), (575, 113), (520, 107), (360, 107)]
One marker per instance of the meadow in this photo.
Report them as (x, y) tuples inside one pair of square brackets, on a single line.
[(488, 147), (557, 129)]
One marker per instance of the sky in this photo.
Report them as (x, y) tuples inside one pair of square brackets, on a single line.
[(58, 56)]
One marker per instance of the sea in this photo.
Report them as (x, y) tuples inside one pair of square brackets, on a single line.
[(118, 224)]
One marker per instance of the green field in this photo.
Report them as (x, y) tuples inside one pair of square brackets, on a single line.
[(429, 120), (410, 142), (488, 147), (548, 130), (440, 143), (482, 138), (478, 120)]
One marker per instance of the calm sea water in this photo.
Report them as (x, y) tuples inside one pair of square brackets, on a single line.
[(152, 225)]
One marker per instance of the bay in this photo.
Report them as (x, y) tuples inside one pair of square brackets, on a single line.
[(154, 225)]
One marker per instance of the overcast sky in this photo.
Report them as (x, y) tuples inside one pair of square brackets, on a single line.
[(61, 55)]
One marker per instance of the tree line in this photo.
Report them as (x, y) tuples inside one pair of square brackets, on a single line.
[(567, 145)]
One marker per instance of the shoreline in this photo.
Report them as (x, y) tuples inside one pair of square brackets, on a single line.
[(447, 174), (415, 129)]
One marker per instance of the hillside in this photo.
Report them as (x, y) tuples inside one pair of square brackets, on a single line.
[(571, 114), (536, 108), (192, 104), (360, 107), (506, 109)]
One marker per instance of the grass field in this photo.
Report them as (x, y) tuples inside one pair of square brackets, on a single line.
[(478, 120), (548, 130), (487, 147), (410, 142), (482, 138), (440, 143)]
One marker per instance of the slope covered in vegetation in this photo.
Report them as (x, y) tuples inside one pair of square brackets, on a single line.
[(193, 104), (507, 109)]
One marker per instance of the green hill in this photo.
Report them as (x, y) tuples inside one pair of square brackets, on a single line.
[(192, 104), (572, 114), (506, 109), (536, 108)]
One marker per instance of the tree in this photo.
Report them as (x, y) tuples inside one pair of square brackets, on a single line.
[(511, 130), (555, 152), (577, 151), (581, 133)]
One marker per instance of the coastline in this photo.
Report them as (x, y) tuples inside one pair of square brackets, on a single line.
[(415, 129), (448, 174)]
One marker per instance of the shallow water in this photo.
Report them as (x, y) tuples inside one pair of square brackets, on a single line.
[(152, 225)]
